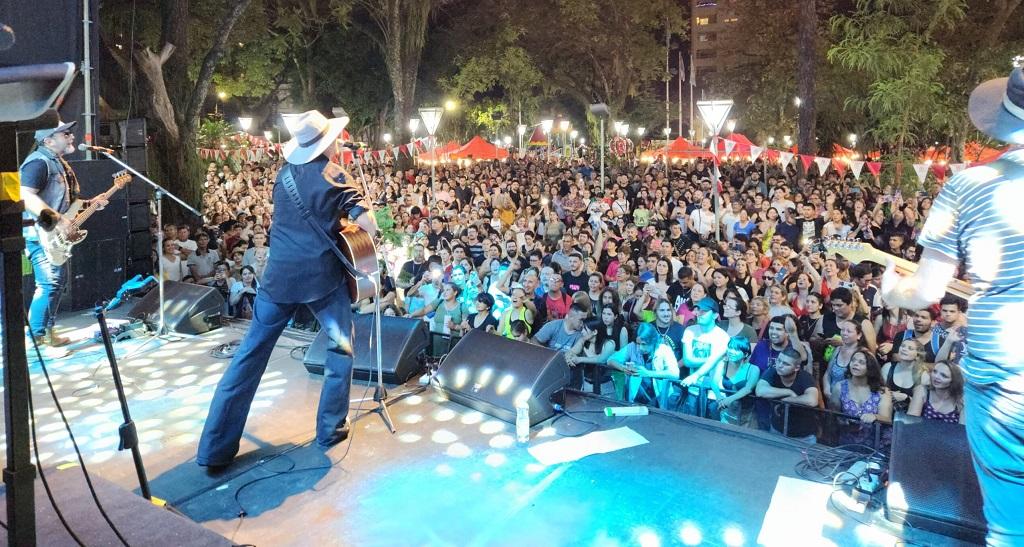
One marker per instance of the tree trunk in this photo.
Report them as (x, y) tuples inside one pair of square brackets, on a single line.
[(807, 57)]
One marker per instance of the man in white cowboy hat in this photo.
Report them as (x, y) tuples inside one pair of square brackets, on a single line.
[(976, 218), (48, 187), (301, 269)]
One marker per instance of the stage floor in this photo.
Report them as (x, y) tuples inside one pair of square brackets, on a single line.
[(450, 476)]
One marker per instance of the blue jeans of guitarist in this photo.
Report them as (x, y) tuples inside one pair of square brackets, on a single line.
[(50, 280), (237, 388)]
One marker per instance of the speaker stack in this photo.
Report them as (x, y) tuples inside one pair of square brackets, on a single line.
[(403, 348), (492, 374)]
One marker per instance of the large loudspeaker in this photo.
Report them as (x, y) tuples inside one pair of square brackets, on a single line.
[(95, 272), (94, 178), (403, 347), (932, 483), (188, 308), (491, 374)]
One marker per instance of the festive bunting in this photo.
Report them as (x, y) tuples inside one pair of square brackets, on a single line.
[(755, 152), (729, 145), (856, 167), (822, 164), (806, 161), (785, 158), (922, 171), (940, 170), (957, 167), (839, 166), (875, 167)]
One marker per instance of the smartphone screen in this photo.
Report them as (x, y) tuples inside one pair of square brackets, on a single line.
[(781, 275)]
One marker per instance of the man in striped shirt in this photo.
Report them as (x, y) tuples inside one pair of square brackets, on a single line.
[(976, 218)]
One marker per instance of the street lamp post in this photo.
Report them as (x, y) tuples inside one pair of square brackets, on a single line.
[(431, 118), (546, 126), (521, 130), (714, 113), (572, 137)]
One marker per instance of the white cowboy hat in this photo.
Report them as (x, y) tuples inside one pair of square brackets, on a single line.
[(312, 133), (996, 108)]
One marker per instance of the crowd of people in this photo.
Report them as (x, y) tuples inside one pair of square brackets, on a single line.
[(650, 299)]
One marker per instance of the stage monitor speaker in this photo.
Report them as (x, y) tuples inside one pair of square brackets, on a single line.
[(932, 483), (188, 308), (95, 272), (132, 133), (403, 347), (491, 374)]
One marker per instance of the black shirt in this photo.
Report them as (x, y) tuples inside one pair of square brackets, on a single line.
[(801, 418), (575, 283)]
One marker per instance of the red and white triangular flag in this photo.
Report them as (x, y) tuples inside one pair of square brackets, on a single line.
[(922, 171), (875, 167), (856, 167), (785, 158), (755, 152), (822, 164), (729, 145), (957, 167)]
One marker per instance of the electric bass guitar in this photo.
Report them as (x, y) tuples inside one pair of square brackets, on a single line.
[(858, 251), (57, 245)]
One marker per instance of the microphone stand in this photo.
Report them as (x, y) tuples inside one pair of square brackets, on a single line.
[(380, 393), (158, 194)]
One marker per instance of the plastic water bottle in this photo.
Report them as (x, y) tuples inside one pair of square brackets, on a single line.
[(522, 422)]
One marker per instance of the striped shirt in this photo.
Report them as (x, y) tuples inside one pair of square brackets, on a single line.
[(978, 217)]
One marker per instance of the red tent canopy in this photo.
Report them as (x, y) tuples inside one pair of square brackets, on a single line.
[(440, 154), (538, 138), (478, 149), (742, 146), (680, 148), (977, 153)]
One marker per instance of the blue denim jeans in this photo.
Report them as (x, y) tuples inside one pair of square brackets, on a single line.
[(995, 430), (237, 388), (50, 280)]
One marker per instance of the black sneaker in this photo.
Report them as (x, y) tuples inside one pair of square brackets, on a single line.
[(340, 434)]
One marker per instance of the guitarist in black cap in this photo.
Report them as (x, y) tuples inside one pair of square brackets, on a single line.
[(48, 188)]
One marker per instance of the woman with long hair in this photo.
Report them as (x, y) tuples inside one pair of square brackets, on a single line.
[(243, 293), (744, 280), (801, 293), (862, 395), (903, 374), (759, 317), (735, 378), (839, 362), (940, 395), (610, 336)]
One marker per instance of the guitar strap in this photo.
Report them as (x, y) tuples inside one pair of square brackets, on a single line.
[(288, 180)]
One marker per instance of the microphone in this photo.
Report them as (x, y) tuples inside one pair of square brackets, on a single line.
[(85, 147)]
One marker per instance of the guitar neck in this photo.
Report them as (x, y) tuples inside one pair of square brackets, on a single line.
[(84, 215), (867, 253)]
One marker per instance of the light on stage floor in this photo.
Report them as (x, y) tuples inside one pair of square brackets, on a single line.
[(690, 535), (733, 537)]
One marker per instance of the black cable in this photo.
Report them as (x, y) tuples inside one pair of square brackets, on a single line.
[(42, 475), (71, 435)]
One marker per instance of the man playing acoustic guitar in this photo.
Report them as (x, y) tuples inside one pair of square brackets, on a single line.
[(302, 268)]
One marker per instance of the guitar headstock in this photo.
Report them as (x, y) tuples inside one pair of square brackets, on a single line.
[(121, 178), (854, 251)]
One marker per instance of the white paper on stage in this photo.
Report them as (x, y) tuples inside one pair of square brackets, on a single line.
[(574, 448), (798, 514)]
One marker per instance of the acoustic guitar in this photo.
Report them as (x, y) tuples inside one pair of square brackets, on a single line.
[(858, 251), (56, 245), (355, 245)]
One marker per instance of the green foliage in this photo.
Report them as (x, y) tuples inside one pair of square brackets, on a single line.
[(213, 132), (891, 42), (386, 226)]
